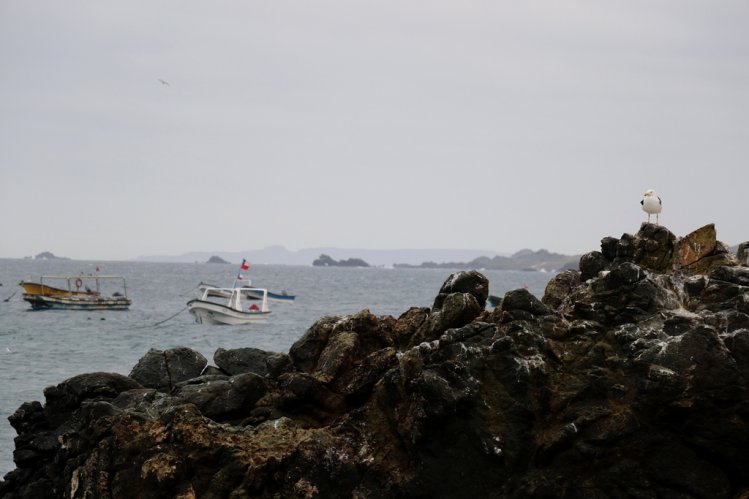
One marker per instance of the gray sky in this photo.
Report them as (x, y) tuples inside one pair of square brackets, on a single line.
[(494, 125)]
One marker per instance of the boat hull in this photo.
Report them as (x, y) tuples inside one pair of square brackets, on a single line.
[(39, 302), (33, 288), (206, 312)]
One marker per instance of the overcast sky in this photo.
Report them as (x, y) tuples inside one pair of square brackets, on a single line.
[(494, 125)]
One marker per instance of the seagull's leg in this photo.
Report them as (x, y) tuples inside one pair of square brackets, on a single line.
[(657, 219)]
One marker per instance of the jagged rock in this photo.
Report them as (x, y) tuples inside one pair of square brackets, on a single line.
[(631, 383), (735, 275), (742, 254), (625, 294), (251, 360), (471, 282), (28, 416), (655, 247), (408, 324), (302, 391), (305, 351), (704, 265), (609, 248), (560, 287), (163, 369), (456, 310), (696, 245), (591, 264), (66, 397), (222, 398), (520, 304), (624, 250), (459, 309)]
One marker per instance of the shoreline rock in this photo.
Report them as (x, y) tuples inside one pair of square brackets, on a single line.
[(629, 378)]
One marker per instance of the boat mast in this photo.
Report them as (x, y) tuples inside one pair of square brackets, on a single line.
[(242, 266)]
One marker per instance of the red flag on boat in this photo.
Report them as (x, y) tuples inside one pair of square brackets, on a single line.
[(240, 277), (245, 265)]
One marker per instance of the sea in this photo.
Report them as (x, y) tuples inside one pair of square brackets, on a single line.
[(43, 348)]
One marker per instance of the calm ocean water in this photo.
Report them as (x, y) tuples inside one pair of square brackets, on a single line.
[(39, 349)]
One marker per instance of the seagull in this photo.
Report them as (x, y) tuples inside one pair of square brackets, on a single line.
[(651, 204), (163, 82)]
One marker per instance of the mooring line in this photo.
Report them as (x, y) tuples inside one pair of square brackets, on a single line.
[(169, 318)]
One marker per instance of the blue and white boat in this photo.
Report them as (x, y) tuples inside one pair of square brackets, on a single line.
[(280, 297)]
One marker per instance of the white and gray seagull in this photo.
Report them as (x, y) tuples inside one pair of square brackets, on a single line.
[(651, 204)]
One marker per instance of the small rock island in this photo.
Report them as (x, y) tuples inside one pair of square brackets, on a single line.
[(47, 255), (326, 261), (628, 379), (216, 259)]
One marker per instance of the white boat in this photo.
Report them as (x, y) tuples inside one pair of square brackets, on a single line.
[(256, 293), (229, 306)]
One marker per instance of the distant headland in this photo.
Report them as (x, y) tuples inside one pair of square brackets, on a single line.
[(216, 259), (279, 255), (522, 260), (414, 258)]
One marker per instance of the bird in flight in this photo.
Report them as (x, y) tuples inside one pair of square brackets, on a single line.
[(651, 204), (164, 82)]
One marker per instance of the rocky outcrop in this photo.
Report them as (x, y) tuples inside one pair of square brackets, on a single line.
[(216, 259), (327, 261), (628, 379), (47, 255), (163, 370)]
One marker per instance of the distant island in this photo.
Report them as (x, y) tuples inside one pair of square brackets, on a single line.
[(522, 260), (46, 255), (327, 261), (216, 259), (279, 255)]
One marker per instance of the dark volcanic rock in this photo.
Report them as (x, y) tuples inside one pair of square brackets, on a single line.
[(222, 398), (251, 360), (655, 248), (521, 304), (164, 369), (632, 382), (560, 287), (742, 254), (471, 282), (591, 264)]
